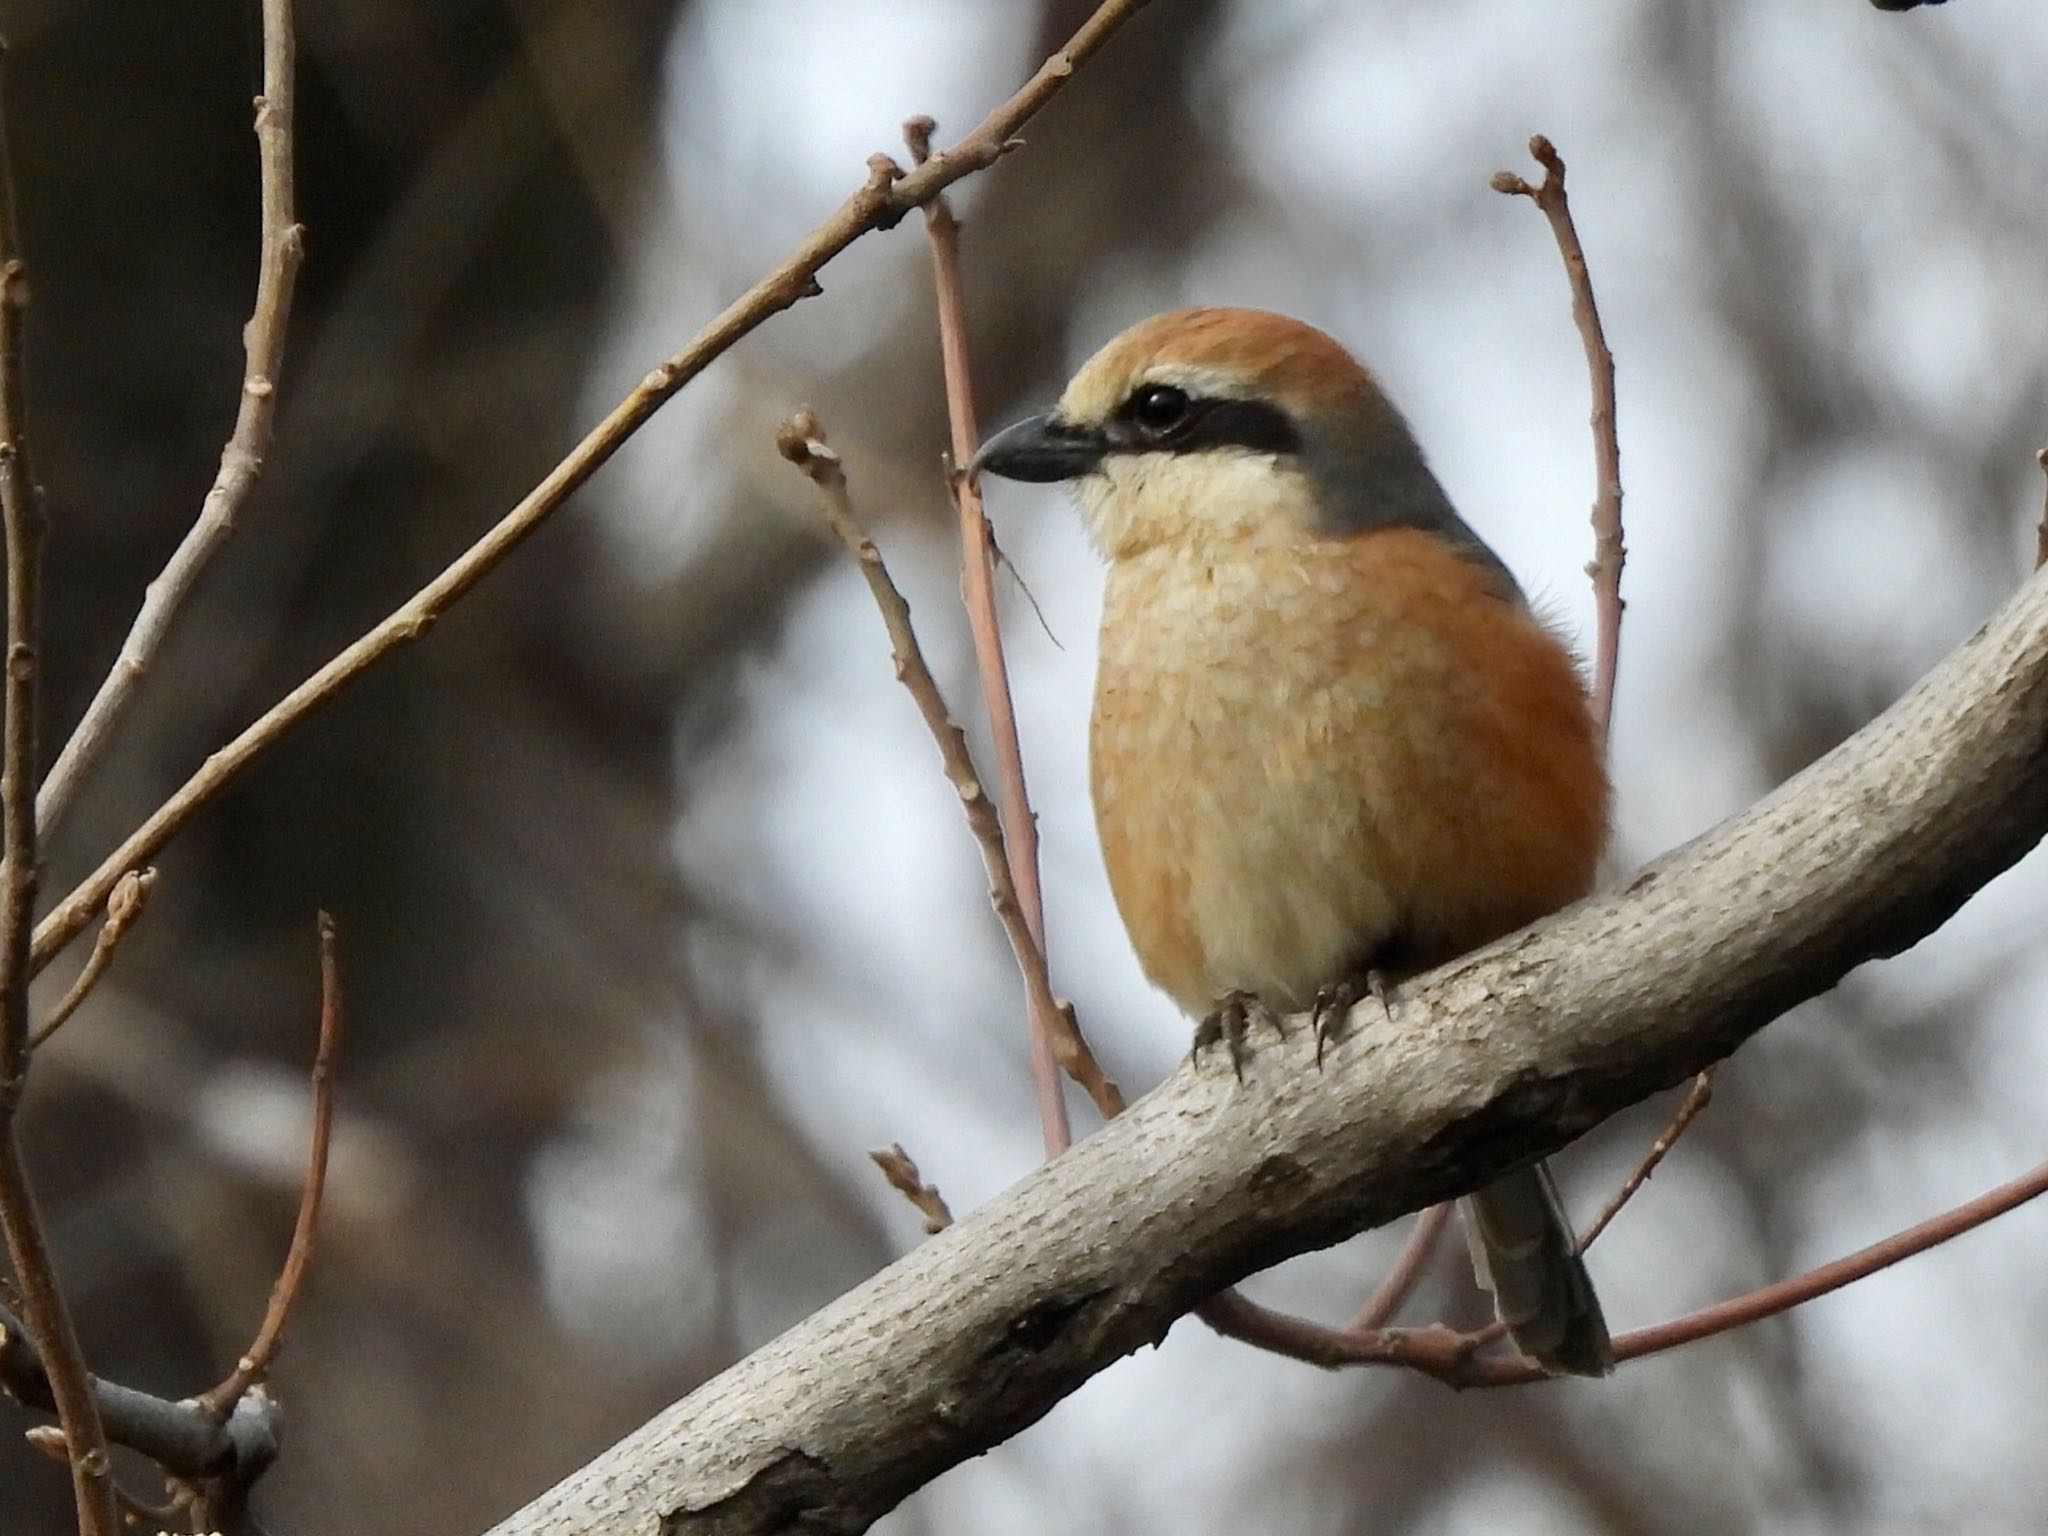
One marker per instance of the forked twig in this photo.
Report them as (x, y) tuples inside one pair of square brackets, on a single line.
[(124, 909), (1407, 1272)]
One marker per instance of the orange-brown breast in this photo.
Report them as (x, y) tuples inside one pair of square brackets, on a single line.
[(1303, 751)]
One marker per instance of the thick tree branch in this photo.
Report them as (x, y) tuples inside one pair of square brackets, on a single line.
[(880, 203), (1500, 1057)]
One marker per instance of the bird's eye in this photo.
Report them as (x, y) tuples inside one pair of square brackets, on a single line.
[(1158, 409)]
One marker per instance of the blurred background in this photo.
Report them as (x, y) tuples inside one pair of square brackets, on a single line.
[(656, 912)]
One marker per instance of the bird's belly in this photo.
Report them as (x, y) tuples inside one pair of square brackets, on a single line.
[(1235, 781), (1304, 760)]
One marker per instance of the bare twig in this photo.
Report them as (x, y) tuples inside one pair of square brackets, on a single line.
[(124, 908), (1609, 554), (901, 1171), (21, 508), (802, 442), (977, 591), (255, 1364), (881, 201), (241, 461), (1407, 1272), (1700, 1096)]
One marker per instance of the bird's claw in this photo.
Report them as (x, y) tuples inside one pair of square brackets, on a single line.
[(1335, 1000), (1230, 1021)]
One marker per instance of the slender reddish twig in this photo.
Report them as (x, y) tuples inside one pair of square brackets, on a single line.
[(900, 1169), (882, 200), (21, 509), (124, 909), (1697, 1099), (255, 1364), (1609, 553), (241, 461), (977, 590), (1407, 1272), (802, 442)]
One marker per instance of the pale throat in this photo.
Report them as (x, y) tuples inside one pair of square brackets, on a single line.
[(1218, 498)]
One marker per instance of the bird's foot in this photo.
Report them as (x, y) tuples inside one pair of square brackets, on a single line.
[(1335, 1000), (1230, 1022)]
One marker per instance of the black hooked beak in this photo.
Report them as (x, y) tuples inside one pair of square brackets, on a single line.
[(1040, 449)]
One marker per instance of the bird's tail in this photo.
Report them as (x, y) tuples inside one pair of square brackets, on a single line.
[(1524, 1252)]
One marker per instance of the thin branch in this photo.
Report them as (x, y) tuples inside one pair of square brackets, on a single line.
[(977, 591), (1407, 1272), (241, 461), (254, 1366), (802, 442), (21, 508), (1700, 1096), (124, 909), (881, 201), (900, 1169), (1609, 553)]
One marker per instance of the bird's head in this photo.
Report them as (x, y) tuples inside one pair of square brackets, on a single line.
[(1210, 426)]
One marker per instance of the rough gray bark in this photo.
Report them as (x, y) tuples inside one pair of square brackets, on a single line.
[(1500, 1057)]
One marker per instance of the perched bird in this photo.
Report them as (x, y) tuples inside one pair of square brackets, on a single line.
[(1332, 746)]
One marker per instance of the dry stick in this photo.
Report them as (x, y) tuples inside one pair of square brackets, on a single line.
[(900, 1169), (1609, 553), (802, 442), (1401, 1280), (255, 1365), (1700, 1096), (1052, 1045), (241, 461), (124, 909), (881, 202), (21, 508)]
